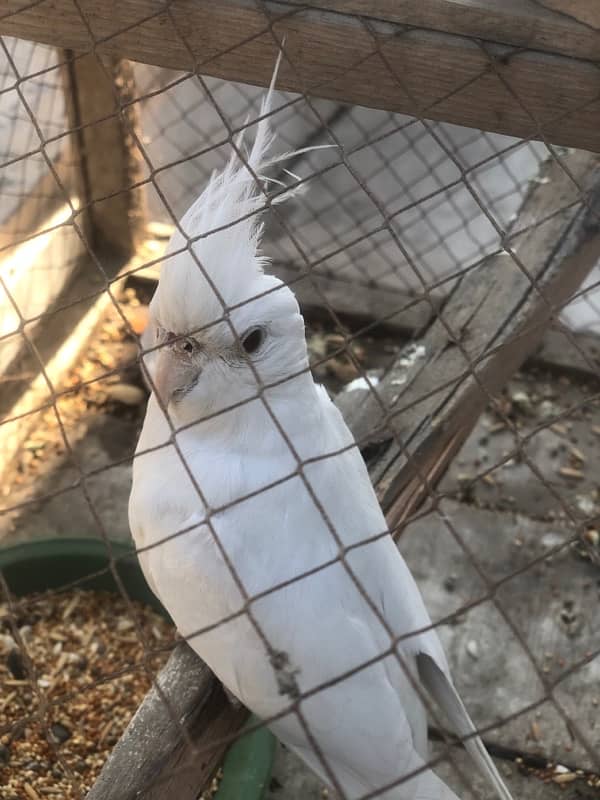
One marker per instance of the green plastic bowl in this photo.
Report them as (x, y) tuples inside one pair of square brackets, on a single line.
[(56, 563)]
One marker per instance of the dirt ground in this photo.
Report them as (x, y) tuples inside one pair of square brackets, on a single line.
[(510, 506)]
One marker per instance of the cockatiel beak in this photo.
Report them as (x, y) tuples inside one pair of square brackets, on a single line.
[(165, 375), (173, 374)]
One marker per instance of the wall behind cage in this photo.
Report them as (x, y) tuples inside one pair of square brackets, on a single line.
[(390, 165), (39, 248), (391, 201)]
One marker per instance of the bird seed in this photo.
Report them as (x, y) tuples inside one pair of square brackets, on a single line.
[(74, 667)]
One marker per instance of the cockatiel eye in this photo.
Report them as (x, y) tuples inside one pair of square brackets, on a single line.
[(253, 339), (185, 346)]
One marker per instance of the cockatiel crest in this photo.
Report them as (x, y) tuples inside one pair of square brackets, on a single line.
[(225, 228), (213, 288)]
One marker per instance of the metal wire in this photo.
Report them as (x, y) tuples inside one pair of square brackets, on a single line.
[(397, 203)]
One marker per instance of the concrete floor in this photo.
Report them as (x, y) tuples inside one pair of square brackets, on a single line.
[(291, 780)]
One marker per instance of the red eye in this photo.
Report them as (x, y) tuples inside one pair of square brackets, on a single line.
[(253, 340)]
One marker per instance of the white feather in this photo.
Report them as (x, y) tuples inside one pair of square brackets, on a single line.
[(274, 521)]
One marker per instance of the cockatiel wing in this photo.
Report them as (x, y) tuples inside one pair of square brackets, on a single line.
[(384, 575), (371, 725)]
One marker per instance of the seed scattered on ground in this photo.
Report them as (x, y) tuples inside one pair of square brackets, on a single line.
[(90, 673), (569, 472)]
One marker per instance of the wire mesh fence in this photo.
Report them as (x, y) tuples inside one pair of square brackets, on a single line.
[(432, 262)]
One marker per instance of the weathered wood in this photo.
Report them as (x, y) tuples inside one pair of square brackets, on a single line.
[(399, 314), (576, 11), (358, 306), (523, 23), (565, 351), (495, 319), (102, 119), (335, 55), (394, 312), (153, 760)]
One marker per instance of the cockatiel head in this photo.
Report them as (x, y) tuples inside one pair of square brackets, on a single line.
[(201, 365)]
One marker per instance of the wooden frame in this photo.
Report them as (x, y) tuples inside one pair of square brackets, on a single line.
[(513, 66), (103, 122)]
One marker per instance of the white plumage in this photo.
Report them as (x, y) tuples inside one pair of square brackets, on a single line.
[(273, 501)]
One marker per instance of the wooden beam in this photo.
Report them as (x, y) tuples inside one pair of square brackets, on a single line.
[(565, 351), (102, 120), (382, 312), (532, 24), (494, 319), (588, 14), (338, 56)]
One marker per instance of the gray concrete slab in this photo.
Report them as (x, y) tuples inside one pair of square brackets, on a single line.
[(531, 622), (544, 463), (291, 780)]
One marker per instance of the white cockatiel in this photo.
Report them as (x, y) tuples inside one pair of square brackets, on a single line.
[(273, 476)]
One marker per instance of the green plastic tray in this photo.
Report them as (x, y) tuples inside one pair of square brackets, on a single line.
[(55, 563)]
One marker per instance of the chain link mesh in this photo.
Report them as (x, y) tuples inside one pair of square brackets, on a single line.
[(400, 220)]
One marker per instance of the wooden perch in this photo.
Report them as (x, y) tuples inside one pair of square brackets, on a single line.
[(498, 317), (545, 56), (495, 318), (152, 760)]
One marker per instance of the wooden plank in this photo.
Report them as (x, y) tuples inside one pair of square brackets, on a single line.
[(382, 311), (335, 56), (496, 319), (565, 351), (97, 99), (582, 11), (523, 23), (399, 314), (357, 306)]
